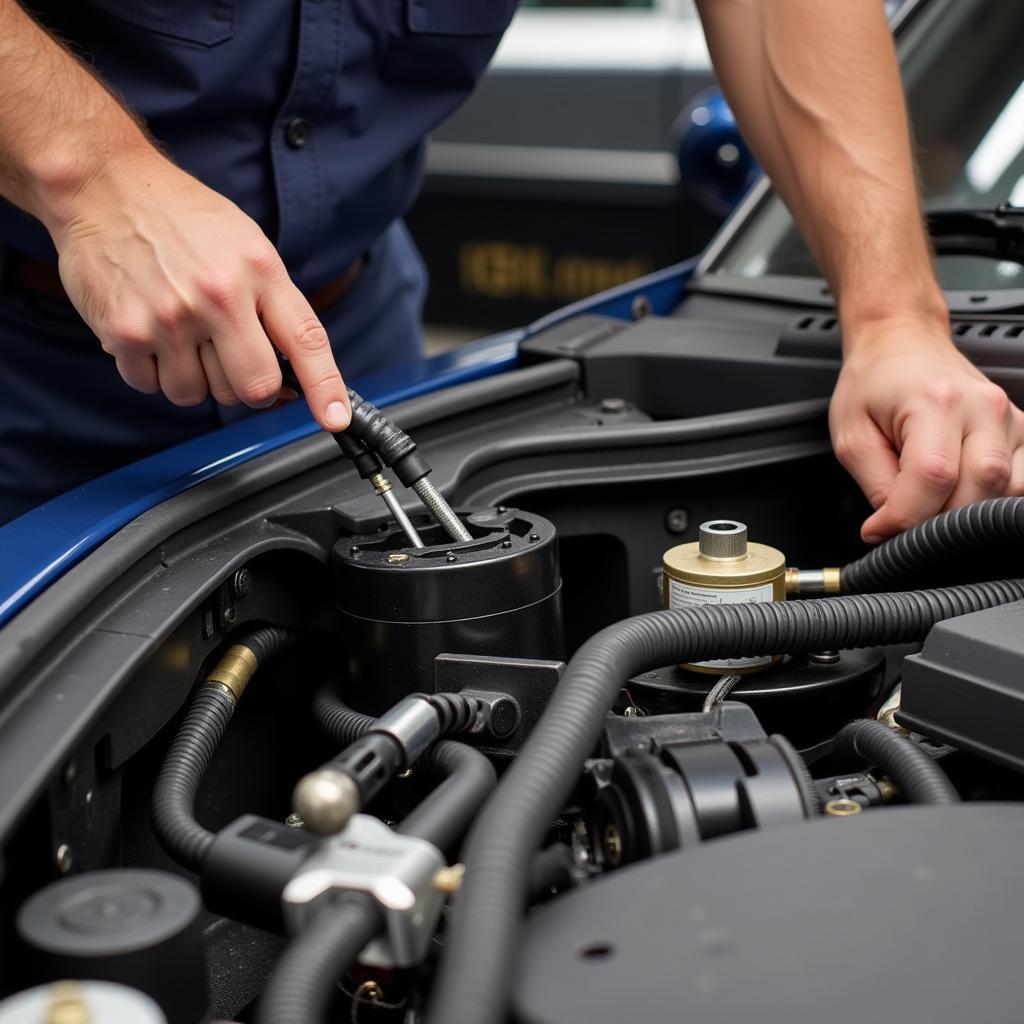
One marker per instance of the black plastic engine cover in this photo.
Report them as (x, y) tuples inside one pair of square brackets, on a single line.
[(966, 687), (898, 914)]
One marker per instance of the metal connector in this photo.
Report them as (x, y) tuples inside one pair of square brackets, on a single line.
[(382, 486), (441, 510), (814, 582), (398, 871), (234, 670)]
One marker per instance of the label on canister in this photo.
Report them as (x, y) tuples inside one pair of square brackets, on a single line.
[(683, 595)]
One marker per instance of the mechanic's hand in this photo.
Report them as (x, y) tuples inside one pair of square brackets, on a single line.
[(921, 429), (187, 293)]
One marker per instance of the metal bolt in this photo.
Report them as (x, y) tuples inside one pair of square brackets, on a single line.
[(633, 712), (842, 808), (449, 879), (354, 550), (611, 842), (824, 657), (451, 557), (228, 616), (613, 405), (501, 510), (294, 821), (397, 558), (243, 582), (641, 307), (534, 537), (64, 858), (677, 520), (507, 543)]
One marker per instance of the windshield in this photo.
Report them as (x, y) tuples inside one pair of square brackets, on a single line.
[(964, 77)]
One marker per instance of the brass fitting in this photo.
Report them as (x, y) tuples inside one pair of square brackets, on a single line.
[(234, 670), (813, 581), (449, 880), (842, 808), (381, 484)]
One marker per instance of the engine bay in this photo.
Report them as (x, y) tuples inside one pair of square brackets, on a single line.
[(644, 733)]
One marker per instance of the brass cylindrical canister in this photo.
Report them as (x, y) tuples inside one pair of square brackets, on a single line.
[(722, 567)]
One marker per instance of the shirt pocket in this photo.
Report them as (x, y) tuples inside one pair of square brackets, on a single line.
[(459, 17), (443, 43), (204, 22)]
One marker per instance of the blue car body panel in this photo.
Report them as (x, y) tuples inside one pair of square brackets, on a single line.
[(38, 547)]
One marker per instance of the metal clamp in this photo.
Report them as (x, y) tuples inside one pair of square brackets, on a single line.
[(396, 870)]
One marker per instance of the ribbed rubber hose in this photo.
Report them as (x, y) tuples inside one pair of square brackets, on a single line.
[(443, 817), (473, 982), (917, 776), (899, 560), (189, 757), (174, 795), (304, 979)]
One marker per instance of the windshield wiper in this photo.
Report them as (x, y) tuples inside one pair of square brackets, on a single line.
[(997, 234)]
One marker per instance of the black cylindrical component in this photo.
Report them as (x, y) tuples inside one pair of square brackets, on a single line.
[(497, 594), (807, 700), (969, 528), (248, 866), (473, 982), (300, 989), (917, 776), (443, 817), (174, 795), (371, 763), (130, 925)]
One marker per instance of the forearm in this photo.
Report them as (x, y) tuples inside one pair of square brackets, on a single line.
[(816, 90), (59, 125)]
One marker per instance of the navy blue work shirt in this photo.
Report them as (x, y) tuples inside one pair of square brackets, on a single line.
[(309, 114)]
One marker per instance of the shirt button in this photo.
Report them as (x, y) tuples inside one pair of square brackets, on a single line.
[(296, 132)]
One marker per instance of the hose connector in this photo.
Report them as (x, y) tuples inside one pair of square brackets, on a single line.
[(813, 582)]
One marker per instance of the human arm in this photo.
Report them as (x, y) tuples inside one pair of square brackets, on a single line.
[(815, 87), (181, 287)]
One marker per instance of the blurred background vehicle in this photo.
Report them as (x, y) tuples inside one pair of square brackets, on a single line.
[(596, 149)]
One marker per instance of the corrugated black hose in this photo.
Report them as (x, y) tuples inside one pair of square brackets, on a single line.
[(192, 751), (304, 980), (970, 528), (917, 776), (477, 966), (443, 817)]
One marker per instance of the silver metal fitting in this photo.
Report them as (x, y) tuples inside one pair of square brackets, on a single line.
[(325, 800), (722, 538), (382, 485), (413, 724), (397, 871)]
